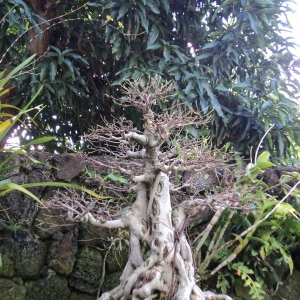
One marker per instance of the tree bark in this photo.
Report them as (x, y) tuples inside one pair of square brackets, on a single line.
[(46, 9)]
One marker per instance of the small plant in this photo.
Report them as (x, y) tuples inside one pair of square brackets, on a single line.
[(256, 291), (263, 233)]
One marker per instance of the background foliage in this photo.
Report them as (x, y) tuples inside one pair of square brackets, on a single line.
[(226, 56)]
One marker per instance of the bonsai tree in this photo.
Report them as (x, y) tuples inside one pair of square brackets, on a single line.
[(156, 153)]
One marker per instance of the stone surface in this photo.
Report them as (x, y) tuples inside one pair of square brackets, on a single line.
[(289, 290), (62, 253), (87, 270), (111, 281), (52, 287), (201, 180), (50, 221), (8, 265), (81, 296), (69, 166), (9, 290), (116, 260), (29, 257)]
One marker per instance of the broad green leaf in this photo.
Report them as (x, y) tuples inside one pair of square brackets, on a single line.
[(253, 21), (263, 157), (259, 240), (153, 6), (53, 70), (204, 56), (123, 9), (240, 86), (222, 88), (265, 165), (16, 70), (110, 4), (94, 4), (154, 46), (211, 45), (39, 141), (153, 35)]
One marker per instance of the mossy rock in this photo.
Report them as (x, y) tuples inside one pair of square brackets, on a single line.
[(117, 259), (81, 296), (61, 254), (9, 290), (111, 281), (52, 287), (87, 270), (29, 257), (8, 266)]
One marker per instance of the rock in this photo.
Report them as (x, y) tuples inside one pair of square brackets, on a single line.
[(111, 281), (87, 270), (93, 235), (29, 257), (8, 265), (81, 296), (22, 209), (9, 290), (50, 221), (62, 253), (52, 287), (69, 166), (289, 290), (201, 180), (116, 260)]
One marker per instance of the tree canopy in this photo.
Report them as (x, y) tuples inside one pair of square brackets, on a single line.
[(227, 58)]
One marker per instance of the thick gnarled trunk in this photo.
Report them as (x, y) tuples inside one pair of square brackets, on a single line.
[(169, 270)]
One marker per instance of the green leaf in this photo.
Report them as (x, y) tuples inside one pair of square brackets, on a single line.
[(154, 46), (222, 88), (153, 35), (110, 4), (265, 165), (263, 157), (13, 186), (16, 70), (43, 71), (211, 45), (191, 130), (66, 185), (95, 4), (204, 56), (39, 141), (123, 9), (167, 55), (53, 70), (240, 86), (253, 21), (5, 181), (153, 6)]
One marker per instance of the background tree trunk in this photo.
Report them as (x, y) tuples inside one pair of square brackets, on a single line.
[(46, 9)]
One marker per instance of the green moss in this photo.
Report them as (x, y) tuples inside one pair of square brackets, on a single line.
[(8, 268), (81, 296), (116, 260), (29, 258), (87, 270), (50, 288), (9, 290), (111, 281)]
